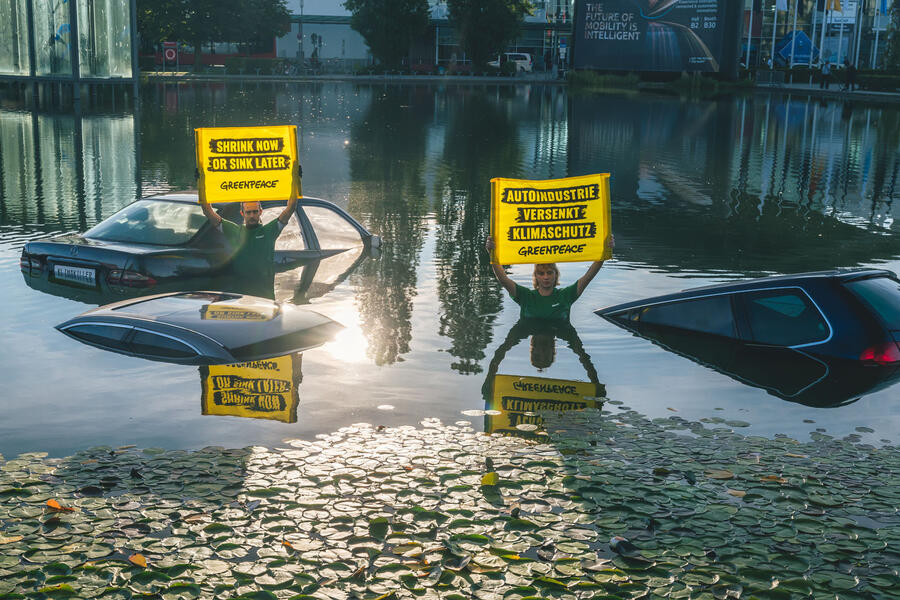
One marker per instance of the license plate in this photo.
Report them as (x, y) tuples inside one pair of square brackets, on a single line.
[(80, 275)]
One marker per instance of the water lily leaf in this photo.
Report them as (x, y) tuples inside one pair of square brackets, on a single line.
[(378, 528), (56, 506), (62, 590), (490, 478), (720, 474), (138, 560), (10, 539)]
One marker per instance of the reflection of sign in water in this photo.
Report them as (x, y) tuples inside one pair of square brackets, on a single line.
[(260, 389), (240, 164), (520, 399), (650, 35), (231, 312), (555, 220)]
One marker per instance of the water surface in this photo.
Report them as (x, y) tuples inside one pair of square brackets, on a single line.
[(702, 192)]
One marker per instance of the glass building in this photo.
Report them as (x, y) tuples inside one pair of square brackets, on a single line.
[(75, 40)]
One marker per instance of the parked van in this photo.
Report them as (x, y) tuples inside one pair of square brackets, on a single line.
[(522, 60)]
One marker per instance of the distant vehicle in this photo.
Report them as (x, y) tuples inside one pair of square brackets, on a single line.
[(201, 328), (166, 239), (844, 314), (522, 60)]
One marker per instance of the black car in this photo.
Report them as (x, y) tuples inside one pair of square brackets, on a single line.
[(821, 339), (165, 240), (849, 314), (201, 328)]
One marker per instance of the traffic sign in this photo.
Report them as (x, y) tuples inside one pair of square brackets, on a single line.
[(169, 54)]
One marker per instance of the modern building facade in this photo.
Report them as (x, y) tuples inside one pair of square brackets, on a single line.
[(68, 40)]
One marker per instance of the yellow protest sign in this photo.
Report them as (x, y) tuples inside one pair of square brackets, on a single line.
[(260, 389), (554, 220), (246, 164), (519, 399)]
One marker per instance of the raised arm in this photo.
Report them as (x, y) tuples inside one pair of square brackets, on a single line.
[(594, 268), (285, 215), (499, 273), (214, 219)]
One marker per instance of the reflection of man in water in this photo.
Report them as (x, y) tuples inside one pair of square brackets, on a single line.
[(253, 246)]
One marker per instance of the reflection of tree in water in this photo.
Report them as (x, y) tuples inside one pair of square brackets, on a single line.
[(387, 157), (481, 143)]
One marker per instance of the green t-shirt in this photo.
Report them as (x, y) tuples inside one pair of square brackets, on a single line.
[(254, 250), (554, 306)]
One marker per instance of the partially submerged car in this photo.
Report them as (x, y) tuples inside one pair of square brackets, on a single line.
[(166, 239), (821, 338), (201, 328)]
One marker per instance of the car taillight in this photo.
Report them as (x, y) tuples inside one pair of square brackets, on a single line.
[(882, 354), (129, 278), (28, 262)]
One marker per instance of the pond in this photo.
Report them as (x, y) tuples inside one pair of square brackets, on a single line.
[(702, 192)]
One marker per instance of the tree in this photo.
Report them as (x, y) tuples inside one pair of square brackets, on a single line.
[(486, 27), (389, 26), (201, 22), (891, 58)]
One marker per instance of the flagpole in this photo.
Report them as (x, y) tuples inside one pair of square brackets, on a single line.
[(794, 34), (877, 31), (840, 37), (824, 27), (812, 41), (772, 51), (749, 34), (859, 16)]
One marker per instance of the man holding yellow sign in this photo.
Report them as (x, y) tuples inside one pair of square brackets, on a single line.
[(560, 220), (249, 165)]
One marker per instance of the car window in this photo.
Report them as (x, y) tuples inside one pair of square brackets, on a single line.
[(291, 237), (783, 318), (151, 222), (151, 344), (712, 314), (332, 230), (108, 336), (882, 295)]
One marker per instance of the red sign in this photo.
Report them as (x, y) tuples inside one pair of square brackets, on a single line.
[(169, 53), (170, 44)]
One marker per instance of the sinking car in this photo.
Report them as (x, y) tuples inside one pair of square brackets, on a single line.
[(201, 328), (821, 338), (166, 239)]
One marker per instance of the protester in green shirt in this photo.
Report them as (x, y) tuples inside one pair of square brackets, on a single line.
[(253, 246), (546, 300)]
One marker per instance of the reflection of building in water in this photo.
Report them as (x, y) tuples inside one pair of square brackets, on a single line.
[(66, 170), (768, 184), (260, 389), (514, 403)]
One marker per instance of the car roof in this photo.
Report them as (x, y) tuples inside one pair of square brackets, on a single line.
[(244, 325), (793, 280)]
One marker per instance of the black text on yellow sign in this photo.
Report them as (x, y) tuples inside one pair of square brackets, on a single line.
[(555, 220), (261, 389), (244, 164), (519, 400)]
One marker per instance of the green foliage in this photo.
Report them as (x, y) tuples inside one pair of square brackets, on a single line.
[(486, 27), (594, 80), (235, 65), (878, 81), (200, 22), (389, 26), (891, 58)]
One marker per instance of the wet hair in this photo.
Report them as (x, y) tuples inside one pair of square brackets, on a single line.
[(549, 265), (543, 350), (256, 202)]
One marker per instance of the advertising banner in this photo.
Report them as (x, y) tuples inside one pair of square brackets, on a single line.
[(519, 399), (554, 220), (260, 389), (246, 164), (649, 35)]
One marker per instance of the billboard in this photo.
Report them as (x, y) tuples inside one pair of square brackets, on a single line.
[(650, 35)]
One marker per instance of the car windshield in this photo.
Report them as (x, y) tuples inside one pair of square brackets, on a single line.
[(154, 222), (882, 294)]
